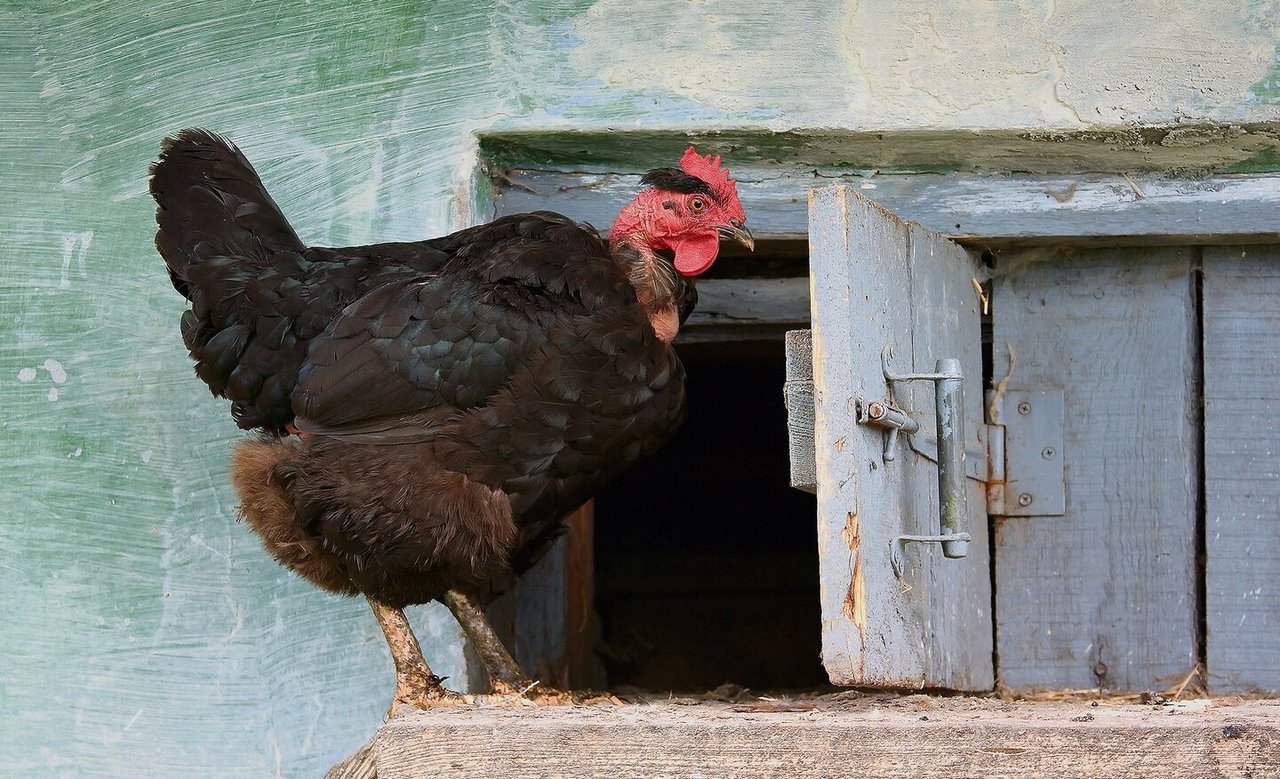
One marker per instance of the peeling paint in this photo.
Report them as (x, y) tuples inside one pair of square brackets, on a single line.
[(1267, 89), (56, 371), (1182, 149), (74, 247), (855, 602), (1263, 161)]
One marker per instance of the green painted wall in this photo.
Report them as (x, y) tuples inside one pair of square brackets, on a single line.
[(144, 633)]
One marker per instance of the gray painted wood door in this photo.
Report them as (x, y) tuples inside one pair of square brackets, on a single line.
[(1105, 595), (878, 281), (1242, 467)]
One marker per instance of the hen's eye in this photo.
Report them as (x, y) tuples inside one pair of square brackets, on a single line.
[(697, 205)]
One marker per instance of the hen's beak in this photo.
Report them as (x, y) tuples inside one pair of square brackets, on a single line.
[(738, 231)]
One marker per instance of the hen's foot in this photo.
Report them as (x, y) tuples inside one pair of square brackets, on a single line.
[(421, 692), (416, 685), (508, 683), (505, 675)]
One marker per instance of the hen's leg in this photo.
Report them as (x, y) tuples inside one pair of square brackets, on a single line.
[(416, 685), (505, 676)]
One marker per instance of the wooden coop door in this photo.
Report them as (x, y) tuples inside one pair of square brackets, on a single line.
[(889, 297), (1126, 457)]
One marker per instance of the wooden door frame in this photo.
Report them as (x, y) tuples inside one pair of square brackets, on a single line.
[(980, 211)]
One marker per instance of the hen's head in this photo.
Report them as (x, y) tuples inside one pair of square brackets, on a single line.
[(685, 210)]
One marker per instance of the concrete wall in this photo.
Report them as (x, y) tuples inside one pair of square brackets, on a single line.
[(144, 632)]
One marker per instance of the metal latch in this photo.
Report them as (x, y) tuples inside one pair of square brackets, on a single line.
[(884, 414), (1020, 461), (953, 502)]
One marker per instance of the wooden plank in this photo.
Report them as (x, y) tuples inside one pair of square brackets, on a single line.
[(991, 210), (947, 323), (917, 736), (547, 619), (1105, 595), (882, 282), (728, 308), (1135, 149), (872, 628), (582, 670), (1242, 467)]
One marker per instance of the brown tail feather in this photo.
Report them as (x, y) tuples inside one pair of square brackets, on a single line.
[(264, 505)]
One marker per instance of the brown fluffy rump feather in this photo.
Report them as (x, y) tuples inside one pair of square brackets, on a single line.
[(369, 518), (264, 505)]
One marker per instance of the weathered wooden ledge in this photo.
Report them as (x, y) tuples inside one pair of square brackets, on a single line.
[(917, 736)]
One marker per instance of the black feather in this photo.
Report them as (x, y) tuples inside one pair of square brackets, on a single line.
[(250, 279), (676, 180)]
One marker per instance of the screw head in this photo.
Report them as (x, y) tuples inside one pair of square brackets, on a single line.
[(1025, 499), (1049, 453), (1024, 408), (1099, 669)]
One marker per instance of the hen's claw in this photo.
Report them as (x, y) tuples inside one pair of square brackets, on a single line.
[(422, 694)]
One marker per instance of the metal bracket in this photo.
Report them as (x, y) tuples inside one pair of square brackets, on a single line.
[(1034, 477), (975, 462), (951, 370), (895, 546)]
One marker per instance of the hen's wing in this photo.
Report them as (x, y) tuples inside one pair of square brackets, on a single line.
[(411, 350)]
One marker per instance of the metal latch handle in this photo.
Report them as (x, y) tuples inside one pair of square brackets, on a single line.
[(953, 496)]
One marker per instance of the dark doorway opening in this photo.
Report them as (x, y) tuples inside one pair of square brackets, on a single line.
[(706, 560)]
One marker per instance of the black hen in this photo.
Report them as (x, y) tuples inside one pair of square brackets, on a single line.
[(453, 398)]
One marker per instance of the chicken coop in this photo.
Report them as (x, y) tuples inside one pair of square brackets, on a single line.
[(1034, 411), (1031, 414), (990, 413)]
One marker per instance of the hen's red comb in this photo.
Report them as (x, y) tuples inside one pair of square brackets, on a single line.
[(708, 169)]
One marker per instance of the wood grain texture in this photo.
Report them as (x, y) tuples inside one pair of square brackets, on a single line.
[(1111, 586), (872, 632), (547, 621), (1242, 467), (873, 277), (739, 309), (946, 313), (990, 210), (915, 736)]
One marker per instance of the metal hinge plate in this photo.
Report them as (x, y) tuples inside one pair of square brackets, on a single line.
[(1034, 483)]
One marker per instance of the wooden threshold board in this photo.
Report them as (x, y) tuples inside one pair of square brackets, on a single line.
[(917, 736)]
